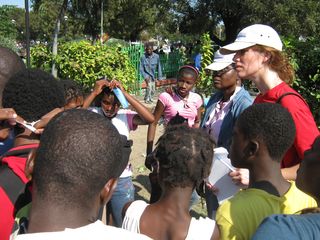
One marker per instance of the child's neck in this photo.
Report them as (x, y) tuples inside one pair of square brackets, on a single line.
[(269, 178)]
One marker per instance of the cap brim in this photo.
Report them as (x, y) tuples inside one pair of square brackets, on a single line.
[(236, 46), (217, 66)]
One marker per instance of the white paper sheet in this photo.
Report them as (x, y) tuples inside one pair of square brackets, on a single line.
[(219, 175)]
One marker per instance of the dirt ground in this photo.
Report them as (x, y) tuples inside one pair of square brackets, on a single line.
[(140, 172)]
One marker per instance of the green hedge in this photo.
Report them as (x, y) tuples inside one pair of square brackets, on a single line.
[(85, 63)]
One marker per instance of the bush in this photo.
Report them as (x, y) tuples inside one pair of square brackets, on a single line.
[(41, 57), (305, 58), (85, 63), (9, 43)]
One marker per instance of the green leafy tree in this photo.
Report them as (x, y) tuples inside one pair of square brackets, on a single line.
[(305, 57), (124, 19), (289, 17), (204, 85), (9, 24)]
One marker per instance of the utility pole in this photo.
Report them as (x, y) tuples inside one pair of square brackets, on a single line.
[(101, 23), (26, 5)]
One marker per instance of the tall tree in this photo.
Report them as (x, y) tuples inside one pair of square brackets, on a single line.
[(88, 11), (60, 7), (289, 17), (10, 21)]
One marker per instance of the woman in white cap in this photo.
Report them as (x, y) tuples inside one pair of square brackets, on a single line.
[(259, 58), (222, 110)]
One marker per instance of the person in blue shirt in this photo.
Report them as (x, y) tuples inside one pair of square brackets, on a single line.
[(222, 110), (149, 63), (197, 61)]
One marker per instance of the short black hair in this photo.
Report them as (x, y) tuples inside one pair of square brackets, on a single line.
[(106, 91), (271, 123), (72, 89), (189, 69), (10, 64), (79, 152), (177, 119), (148, 44), (32, 93), (184, 155)]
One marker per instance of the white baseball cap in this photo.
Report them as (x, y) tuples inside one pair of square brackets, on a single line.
[(252, 35), (220, 61)]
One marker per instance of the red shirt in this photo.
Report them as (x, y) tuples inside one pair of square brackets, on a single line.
[(16, 162), (306, 128)]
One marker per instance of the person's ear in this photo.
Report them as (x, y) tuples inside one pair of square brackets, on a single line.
[(28, 170), (267, 57), (252, 148), (107, 190)]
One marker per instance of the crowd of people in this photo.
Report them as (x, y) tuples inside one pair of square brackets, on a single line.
[(65, 155)]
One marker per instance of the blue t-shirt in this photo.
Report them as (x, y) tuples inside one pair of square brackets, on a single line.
[(293, 227), (7, 144)]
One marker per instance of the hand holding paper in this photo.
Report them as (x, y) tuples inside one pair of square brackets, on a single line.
[(219, 176)]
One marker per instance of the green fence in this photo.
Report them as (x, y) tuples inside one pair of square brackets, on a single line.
[(170, 64), (135, 52)]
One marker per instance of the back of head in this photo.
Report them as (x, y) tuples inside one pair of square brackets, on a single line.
[(10, 63), (72, 89), (176, 120), (270, 123), (32, 93), (308, 176), (79, 152), (184, 155)]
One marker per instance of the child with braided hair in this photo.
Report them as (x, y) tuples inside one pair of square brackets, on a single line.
[(184, 157), (182, 101)]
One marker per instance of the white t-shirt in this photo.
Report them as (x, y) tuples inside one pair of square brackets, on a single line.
[(123, 122), (96, 230)]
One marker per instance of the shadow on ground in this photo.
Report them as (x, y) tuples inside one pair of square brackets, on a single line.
[(142, 185)]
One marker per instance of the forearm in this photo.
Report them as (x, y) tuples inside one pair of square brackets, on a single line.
[(290, 173), (88, 100), (150, 137), (197, 120), (142, 111)]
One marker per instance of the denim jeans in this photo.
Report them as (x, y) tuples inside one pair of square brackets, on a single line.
[(123, 193), (150, 91)]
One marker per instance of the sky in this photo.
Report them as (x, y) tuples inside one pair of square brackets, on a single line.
[(19, 3)]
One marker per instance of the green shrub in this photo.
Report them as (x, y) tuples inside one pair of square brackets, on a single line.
[(41, 57), (9, 43), (85, 63)]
